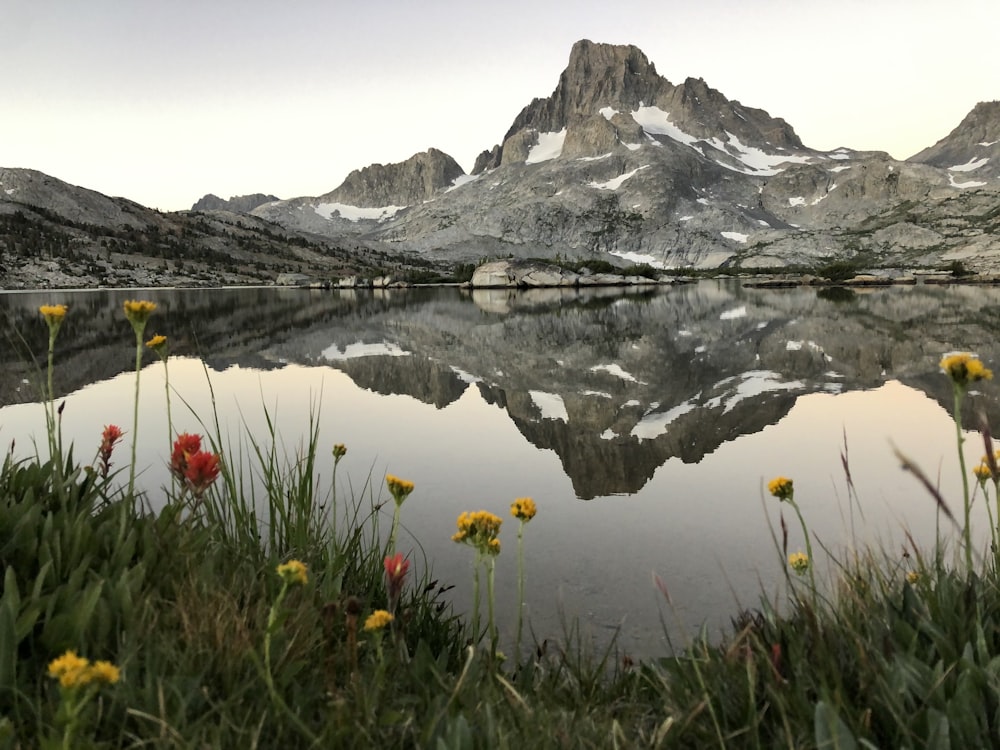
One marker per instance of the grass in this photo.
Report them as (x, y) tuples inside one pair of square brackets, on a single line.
[(246, 620)]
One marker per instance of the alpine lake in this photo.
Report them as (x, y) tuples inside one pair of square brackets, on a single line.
[(644, 422)]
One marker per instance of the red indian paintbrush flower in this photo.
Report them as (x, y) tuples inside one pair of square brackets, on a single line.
[(185, 446), (202, 469), (109, 438), (396, 569), (193, 466)]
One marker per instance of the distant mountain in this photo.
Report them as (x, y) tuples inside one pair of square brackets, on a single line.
[(243, 204), (53, 234)]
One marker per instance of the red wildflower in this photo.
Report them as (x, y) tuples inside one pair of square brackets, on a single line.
[(185, 446), (109, 438), (396, 569), (202, 469)]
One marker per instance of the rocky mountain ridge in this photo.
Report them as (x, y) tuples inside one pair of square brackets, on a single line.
[(617, 164), (53, 234), (241, 204)]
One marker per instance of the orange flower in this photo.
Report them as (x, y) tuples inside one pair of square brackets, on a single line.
[(202, 469)]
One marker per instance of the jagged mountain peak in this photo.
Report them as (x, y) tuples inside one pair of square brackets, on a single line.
[(597, 75), (401, 184), (595, 105)]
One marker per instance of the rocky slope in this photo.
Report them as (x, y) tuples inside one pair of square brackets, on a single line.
[(53, 234)]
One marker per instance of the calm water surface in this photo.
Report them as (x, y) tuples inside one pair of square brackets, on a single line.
[(644, 425)]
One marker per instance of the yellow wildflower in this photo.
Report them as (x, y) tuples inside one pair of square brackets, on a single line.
[(983, 473), (339, 451), (293, 571), (53, 314), (964, 368), (398, 488), (105, 672), (781, 488), (158, 344), (523, 508), (69, 669), (139, 309), (799, 562), (912, 577), (479, 529), (378, 620)]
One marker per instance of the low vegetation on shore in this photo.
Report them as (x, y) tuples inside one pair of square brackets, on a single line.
[(263, 609)]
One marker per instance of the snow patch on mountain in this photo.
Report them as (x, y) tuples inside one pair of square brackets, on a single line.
[(357, 213), (970, 165), (549, 147), (963, 185), (617, 182), (462, 180), (638, 258)]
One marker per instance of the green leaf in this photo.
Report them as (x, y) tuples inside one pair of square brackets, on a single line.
[(831, 733), (8, 645), (938, 734)]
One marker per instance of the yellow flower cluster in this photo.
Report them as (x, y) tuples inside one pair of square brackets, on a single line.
[(799, 562), (339, 451), (912, 577), (964, 368), (398, 488), (378, 620), (74, 671), (479, 529), (53, 314), (293, 571), (781, 488), (523, 508), (138, 310)]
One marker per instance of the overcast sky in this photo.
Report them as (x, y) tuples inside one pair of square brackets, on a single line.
[(163, 101)]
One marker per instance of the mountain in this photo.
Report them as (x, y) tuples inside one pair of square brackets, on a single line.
[(971, 152), (53, 234), (241, 204), (622, 165), (618, 164)]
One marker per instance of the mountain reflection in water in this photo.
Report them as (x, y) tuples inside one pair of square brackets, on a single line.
[(667, 410)]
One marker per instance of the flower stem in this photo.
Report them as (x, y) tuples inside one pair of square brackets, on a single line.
[(475, 598), (959, 392), (170, 421), (395, 528), (490, 574), (809, 551), (135, 410), (520, 590)]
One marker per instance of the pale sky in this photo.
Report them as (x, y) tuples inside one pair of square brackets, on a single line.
[(163, 101)]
